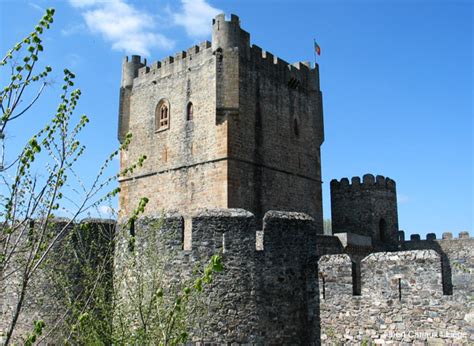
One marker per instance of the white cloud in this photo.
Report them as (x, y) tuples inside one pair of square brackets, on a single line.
[(37, 7), (195, 17), (87, 3), (127, 28), (73, 29), (105, 209)]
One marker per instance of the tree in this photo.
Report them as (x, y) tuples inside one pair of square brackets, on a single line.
[(22, 77), (35, 181)]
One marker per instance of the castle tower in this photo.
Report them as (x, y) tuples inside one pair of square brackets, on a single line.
[(367, 208), (129, 72), (223, 125)]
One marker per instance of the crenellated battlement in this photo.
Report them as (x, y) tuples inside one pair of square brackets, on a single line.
[(366, 207), (369, 182), (179, 62), (445, 236), (130, 69), (399, 276), (423, 289), (295, 75), (226, 34), (252, 277), (226, 230)]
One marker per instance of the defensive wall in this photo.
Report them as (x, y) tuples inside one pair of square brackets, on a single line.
[(283, 283), (405, 296), (268, 292), (282, 286)]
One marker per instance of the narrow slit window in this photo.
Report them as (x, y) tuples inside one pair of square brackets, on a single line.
[(323, 279), (400, 290), (131, 241), (356, 279), (296, 129), (223, 242), (189, 112)]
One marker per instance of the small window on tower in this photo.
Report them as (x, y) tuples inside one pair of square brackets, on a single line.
[(189, 111), (162, 116), (296, 129)]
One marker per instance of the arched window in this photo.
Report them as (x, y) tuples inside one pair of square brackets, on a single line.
[(189, 111), (162, 116)]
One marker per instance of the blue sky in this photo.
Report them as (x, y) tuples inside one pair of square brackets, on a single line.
[(396, 78)]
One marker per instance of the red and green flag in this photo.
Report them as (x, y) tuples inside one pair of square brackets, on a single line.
[(317, 48)]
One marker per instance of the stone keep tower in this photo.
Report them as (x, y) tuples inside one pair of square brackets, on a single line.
[(223, 124)]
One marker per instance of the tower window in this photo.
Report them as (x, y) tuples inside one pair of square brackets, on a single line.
[(189, 111), (162, 116), (296, 129)]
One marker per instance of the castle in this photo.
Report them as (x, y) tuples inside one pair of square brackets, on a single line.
[(228, 125), (232, 136)]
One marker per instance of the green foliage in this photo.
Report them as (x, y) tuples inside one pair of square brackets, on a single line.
[(461, 267), (37, 331), (23, 70), (156, 302), (147, 305)]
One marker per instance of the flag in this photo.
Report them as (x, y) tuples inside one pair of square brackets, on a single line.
[(317, 48)]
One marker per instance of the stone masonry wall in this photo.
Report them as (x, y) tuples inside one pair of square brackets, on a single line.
[(267, 293), (456, 259), (184, 166), (254, 142), (402, 299), (275, 139), (287, 287)]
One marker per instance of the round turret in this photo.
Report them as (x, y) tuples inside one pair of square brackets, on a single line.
[(225, 34), (130, 70), (367, 207)]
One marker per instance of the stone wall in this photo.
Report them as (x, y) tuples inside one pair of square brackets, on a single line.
[(185, 164), (267, 292), (402, 297), (275, 139), (280, 284), (456, 259)]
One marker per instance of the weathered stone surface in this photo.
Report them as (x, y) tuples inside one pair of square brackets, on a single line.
[(402, 296), (367, 208), (254, 139), (266, 295)]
